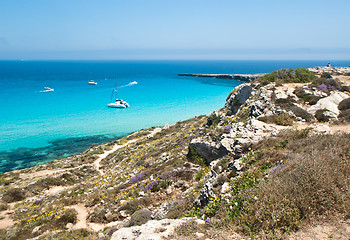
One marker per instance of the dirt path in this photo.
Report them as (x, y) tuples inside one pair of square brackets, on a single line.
[(105, 154), (6, 221), (81, 216), (25, 176)]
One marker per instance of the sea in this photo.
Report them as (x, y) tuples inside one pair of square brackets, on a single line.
[(38, 126)]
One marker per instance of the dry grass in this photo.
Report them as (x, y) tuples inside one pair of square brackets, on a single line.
[(303, 188)]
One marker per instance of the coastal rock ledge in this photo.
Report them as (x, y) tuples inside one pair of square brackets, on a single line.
[(239, 77)]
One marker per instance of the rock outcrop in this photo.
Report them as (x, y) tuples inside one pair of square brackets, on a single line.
[(239, 77)]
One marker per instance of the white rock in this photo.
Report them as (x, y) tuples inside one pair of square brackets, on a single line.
[(225, 187), (149, 230), (199, 235), (331, 103), (69, 225), (36, 229)]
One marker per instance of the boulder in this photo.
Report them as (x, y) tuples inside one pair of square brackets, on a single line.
[(238, 97), (208, 150), (330, 103)]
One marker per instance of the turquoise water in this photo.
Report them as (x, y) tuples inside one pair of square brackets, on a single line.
[(37, 126)]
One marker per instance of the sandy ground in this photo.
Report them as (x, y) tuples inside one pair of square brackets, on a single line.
[(344, 79)]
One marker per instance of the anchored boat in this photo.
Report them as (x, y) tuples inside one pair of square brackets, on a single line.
[(118, 103)]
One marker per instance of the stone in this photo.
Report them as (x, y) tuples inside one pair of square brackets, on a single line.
[(124, 214), (149, 230), (69, 225), (109, 216), (238, 97), (199, 235), (36, 229), (225, 188), (208, 150), (330, 103)]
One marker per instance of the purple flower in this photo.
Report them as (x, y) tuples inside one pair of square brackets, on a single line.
[(323, 87), (137, 178), (331, 88), (149, 187), (279, 167), (227, 129)]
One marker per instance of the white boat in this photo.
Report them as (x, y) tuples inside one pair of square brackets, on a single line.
[(92, 82), (118, 103), (48, 89)]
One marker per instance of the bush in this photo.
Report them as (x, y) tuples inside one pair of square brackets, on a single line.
[(344, 105), (306, 97), (13, 195), (344, 115), (69, 216), (287, 105), (213, 120), (193, 156), (135, 204), (320, 116), (140, 217), (3, 207), (300, 75), (283, 119)]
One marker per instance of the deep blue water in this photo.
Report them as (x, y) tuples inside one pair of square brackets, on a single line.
[(36, 127)]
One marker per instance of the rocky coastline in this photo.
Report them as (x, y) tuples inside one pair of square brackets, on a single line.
[(203, 178), (238, 77)]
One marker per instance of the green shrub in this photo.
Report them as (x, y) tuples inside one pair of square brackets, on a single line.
[(306, 97), (213, 120), (283, 119), (287, 105), (134, 204), (320, 116), (344, 105), (300, 75), (193, 156), (3, 207), (13, 195), (69, 216), (140, 217), (344, 115)]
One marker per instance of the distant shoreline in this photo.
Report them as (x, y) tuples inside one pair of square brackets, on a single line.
[(238, 77)]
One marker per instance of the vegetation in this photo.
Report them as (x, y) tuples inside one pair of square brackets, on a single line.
[(300, 75), (321, 116), (288, 179), (13, 195), (283, 119)]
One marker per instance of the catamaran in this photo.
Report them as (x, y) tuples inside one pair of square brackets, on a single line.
[(118, 103)]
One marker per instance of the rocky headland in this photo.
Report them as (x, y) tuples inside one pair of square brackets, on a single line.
[(238, 77), (273, 163)]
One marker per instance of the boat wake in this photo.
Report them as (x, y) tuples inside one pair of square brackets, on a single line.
[(129, 84)]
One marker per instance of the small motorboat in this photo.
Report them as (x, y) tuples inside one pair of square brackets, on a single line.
[(48, 89), (119, 103), (92, 82)]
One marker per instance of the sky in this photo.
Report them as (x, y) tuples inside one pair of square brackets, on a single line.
[(174, 29)]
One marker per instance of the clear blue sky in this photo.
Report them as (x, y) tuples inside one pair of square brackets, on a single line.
[(174, 29)]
